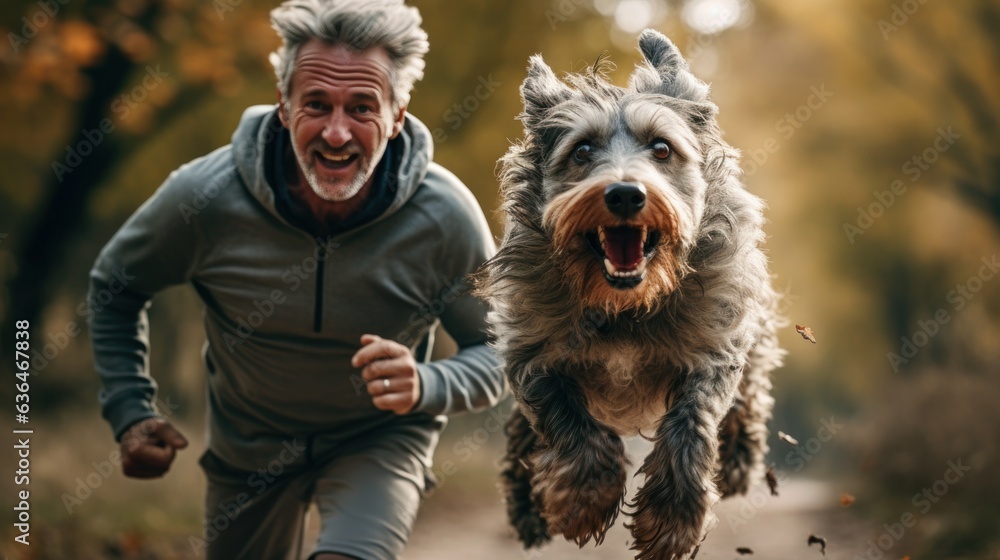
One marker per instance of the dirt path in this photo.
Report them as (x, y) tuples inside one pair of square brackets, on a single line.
[(776, 528), (776, 531)]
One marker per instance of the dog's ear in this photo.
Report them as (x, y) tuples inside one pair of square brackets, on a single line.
[(665, 72), (541, 90)]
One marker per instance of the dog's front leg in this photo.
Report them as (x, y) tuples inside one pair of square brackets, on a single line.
[(523, 509), (580, 466), (672, 507), (743, 433)]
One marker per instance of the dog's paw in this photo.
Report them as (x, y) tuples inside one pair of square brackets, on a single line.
[(669, 521), (582, 491), (741, 453), (661, 535), (736, 474)]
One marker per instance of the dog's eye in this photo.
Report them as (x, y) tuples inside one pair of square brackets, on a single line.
[(581, 153), (660, 148)]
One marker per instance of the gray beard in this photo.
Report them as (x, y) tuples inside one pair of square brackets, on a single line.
[(316, 185)]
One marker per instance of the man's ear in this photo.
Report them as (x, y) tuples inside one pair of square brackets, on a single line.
[(397, 123), (282, 110)]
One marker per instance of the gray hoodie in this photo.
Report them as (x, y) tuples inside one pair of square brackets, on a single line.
[(284, 312)]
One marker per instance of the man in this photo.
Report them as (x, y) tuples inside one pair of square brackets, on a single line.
[(325, 246)]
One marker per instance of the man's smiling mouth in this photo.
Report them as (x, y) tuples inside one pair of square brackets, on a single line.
[(336, 161)]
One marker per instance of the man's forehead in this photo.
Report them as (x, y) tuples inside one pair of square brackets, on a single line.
[(316, 59)]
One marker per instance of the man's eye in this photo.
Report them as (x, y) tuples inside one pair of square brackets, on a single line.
[(582, 152), (314, 105), (364, 109)]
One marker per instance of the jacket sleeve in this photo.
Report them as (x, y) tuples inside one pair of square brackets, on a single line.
[(471, 379), (156, 248)]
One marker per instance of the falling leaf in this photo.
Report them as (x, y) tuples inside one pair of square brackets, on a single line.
[(772, 481), (744, 550), (787, 438), (846, 500), (813, 539), (806, 332)]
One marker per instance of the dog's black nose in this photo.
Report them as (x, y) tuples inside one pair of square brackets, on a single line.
[(625, 199)]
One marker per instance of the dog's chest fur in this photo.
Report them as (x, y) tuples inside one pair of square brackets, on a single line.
[(624, 390)]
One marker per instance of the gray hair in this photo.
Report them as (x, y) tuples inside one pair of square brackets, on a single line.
[(358, 24)]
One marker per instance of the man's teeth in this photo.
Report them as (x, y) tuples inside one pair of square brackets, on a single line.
[(637, 271), (335, 158)]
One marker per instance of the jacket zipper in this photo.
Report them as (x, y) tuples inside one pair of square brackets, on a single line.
[(320, 267)]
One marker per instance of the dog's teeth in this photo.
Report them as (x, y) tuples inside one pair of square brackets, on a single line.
[(642, 266), (609, 267), (645, 231)]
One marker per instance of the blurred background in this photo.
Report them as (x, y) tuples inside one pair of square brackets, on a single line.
[(871, 128)]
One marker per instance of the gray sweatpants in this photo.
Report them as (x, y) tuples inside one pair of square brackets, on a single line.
[(367, 499)]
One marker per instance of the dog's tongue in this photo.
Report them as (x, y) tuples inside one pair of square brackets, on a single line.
[(623, 247)]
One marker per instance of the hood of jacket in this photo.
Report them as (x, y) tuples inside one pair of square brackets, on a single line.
[(412, 151)]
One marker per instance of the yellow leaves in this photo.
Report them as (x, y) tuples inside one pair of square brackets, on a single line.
[(81, 42), (196, 62), (203, 64), (56, 58), (137, 45), (132, 8), (227, 81)]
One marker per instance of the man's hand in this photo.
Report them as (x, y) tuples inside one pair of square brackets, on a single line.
[(390, 372), (148, 448)]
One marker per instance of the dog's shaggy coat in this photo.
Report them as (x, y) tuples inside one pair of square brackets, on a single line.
[(675, 342)]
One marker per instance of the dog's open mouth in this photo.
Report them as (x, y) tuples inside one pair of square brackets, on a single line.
[(624, 252)]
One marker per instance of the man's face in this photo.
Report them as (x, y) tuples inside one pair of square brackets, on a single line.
[(340, 115)]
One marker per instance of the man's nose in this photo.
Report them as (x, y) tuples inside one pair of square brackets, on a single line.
[(337, 131)]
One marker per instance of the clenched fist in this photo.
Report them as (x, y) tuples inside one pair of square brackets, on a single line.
[(390, 372), (149, 447)]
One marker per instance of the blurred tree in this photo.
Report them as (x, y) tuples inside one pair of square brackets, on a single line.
[(106, 69)]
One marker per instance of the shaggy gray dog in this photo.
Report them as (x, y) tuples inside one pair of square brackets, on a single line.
[(629, 296)]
